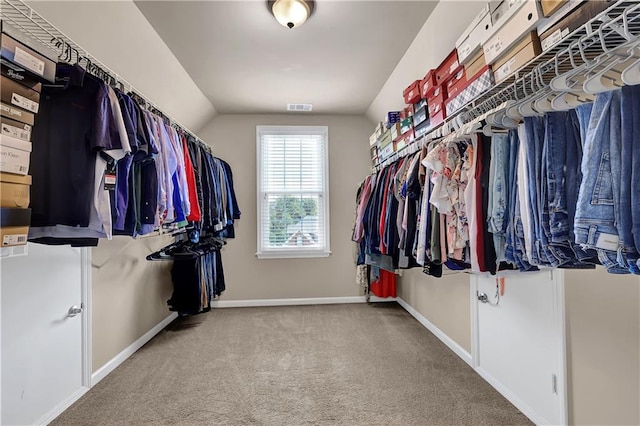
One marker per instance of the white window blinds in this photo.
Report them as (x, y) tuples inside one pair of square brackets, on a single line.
[(292, 192)]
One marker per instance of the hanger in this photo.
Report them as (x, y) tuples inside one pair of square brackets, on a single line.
[(567, 80), (618, 60), (526, 108), (631, 74)]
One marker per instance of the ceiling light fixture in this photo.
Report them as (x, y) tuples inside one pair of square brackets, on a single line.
[(291, 13)]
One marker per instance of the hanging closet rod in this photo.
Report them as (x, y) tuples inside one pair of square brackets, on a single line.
[(24, 18)]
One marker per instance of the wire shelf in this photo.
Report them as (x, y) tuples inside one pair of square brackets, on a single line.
[(607, 31), (22, 17)]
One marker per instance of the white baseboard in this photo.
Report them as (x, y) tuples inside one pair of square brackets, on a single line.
[(60, 408), (512, 398), (296, 302), (459, 350), (103, 371)]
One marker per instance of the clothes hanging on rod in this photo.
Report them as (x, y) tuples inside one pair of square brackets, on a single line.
[(556, 191), (102, 166), (197, 273)]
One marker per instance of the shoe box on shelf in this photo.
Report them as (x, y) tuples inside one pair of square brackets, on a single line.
[(522, 17), (569, 18), (24, 65), (21, 50), (526, 49), (476, 34), (473, 87)]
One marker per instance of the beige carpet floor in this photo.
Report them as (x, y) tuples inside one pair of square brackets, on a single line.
[(307, 365)]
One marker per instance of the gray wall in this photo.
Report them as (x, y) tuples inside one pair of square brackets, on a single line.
[(233, 138), (129, 294)]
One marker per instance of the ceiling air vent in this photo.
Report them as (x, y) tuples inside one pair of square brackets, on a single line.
[(299, 107)]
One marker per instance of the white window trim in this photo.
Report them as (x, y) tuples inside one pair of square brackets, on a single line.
[(292, 252)]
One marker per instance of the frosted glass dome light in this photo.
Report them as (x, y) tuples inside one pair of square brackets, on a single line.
[(291, 13)]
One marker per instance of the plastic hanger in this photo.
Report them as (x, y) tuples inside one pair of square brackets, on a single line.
[(566, 101), (631, 74), (618, 60), (527, 108), (565, 81)]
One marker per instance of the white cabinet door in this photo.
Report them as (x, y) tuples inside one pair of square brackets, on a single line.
[(42, 344), (520, 342)]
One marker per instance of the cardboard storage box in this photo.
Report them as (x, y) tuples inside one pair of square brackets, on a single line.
[(526, 49), (386, 152), (520, 23), (14, 235), (550, 6), (437, 113), (406, 124), (373, 139), (35, 63), (419, 116), (15, 155), (437, 97), (475, 35), (392, 118), (428, 84), (374, 152), (412, 93), (407, 112), (424, 128), (385, 139), (18, 95), (15, 129), (476, 85), (20, 75), (498, 10), (17, 114), (27, 41), (456, 83), (421, 103), (403, 140), (571, 22), (14, 217), (449, 66), (14, 190), (395, 131), (476, 64)]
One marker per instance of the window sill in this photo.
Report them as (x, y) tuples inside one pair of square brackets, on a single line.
[(293, 255)]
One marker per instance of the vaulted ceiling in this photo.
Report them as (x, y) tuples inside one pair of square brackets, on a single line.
[(243, 61)]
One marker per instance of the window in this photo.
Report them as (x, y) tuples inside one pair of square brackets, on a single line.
[(293, 192)]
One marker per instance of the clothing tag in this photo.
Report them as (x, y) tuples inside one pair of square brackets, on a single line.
[(12, 240), (110, 177), (25, 103), (26, 60), (109, 182), (608, 242), (16, 132)]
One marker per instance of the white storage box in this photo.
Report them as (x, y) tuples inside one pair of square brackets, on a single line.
[(15, 155)]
